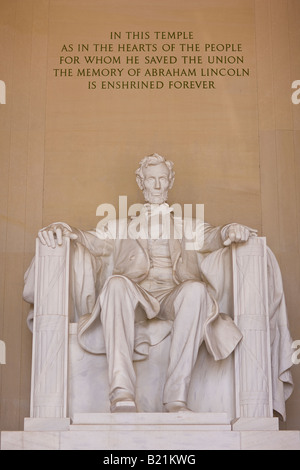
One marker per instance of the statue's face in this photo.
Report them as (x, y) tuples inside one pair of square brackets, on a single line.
[(156, 183)]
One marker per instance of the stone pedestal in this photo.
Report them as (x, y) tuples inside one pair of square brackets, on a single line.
[(149, 431)]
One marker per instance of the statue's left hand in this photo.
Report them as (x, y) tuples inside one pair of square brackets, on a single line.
[(236, 233), (53, 234)]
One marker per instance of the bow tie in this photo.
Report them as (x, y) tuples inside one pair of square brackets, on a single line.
[(139, 227), (153, 209)]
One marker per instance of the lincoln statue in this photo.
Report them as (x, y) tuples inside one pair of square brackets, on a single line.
[(153, 277)]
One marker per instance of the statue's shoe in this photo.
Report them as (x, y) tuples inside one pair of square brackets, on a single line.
[(123, 406), (177, 407)]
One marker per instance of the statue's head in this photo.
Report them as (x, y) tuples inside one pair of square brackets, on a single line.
[(155, 176)]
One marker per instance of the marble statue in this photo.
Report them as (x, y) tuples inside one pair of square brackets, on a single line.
[(147, 279)]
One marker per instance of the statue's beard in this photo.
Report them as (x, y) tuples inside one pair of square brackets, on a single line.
[(155, 198)]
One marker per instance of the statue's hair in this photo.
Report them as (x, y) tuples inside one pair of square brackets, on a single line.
[(153, 159)]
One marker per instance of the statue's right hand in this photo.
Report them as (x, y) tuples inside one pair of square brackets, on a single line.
[(53, 234)]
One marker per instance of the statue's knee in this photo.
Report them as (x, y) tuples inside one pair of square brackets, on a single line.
[(194, 289), (116, 284)]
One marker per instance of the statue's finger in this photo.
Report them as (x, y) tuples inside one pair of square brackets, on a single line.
[(72, 236), (51, 238), (232, 235), (41, 238), (59, 236), (240, 234), (46, 238)]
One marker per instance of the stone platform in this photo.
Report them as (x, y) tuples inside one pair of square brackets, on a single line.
[(149, 431)]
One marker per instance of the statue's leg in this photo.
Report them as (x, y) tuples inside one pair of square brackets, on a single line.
[(189, 304), (118, 304)]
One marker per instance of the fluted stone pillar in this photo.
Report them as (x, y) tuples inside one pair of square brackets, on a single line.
[(253, 381), (49, 381)]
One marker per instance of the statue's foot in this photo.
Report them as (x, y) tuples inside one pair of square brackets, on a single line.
[(123, 406), (177, 407)]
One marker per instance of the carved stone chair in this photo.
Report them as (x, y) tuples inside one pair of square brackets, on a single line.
[(248, 386)]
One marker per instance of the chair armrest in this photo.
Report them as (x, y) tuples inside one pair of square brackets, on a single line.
[(50, 331), (253, 354)]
